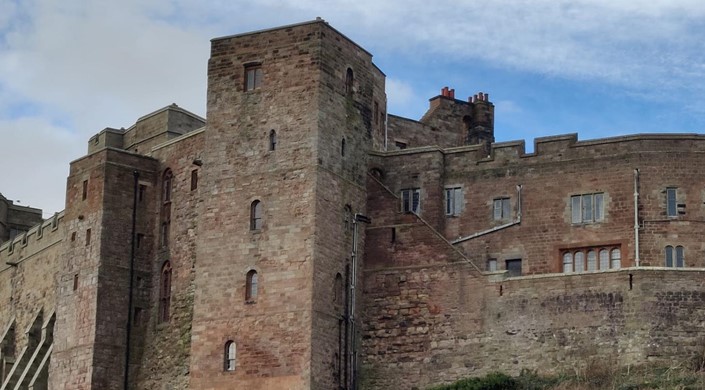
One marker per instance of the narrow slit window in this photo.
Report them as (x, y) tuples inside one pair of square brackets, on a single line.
[(251, 286), (671, 206), (84, 195), (229, 356), (165, 292), (272, 140), (256, 215), (194, 179)]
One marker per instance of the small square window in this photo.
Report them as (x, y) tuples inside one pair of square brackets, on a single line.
[(514, 267), (253, 77), (492, 265)]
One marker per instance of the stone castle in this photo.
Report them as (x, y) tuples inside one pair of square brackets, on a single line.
[(303, 238)]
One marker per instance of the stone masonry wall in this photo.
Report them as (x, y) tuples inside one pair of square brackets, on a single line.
[(28, 279), (239, 168), (167, 345)]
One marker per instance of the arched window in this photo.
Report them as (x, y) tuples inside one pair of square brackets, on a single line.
[(342, 147), (272, 140), (229, 355), (251, 286), (165, 292), (338, 290), (349, 80), (604, 259), (567, 262), (616, 258), (579, 262), (256, 215), (167, 183)]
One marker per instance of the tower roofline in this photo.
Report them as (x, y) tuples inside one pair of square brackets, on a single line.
[(314, 21)]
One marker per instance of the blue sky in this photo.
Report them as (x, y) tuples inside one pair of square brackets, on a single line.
[(599, 68)]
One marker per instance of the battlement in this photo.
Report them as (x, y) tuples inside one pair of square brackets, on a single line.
[(38, 238), (16, 219), (150, 130)]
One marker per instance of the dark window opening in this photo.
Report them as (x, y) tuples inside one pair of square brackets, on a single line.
[(88, 237), (349, 81), (138, 241), (194, 179), (342, 147), (85, 190), (272, 140), (513, 267), (75, 282), (400, 145), (165, 292), (141, 193)]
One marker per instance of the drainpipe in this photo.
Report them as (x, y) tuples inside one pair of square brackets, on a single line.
[(386, 114), (636, 216), (132, 273), (519, 186)]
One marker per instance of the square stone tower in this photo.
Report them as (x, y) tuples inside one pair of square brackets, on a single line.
[(292, 113)]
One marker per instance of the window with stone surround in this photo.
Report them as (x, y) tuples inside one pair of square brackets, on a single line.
[(513, 267), (253, 76), (411, 200), (590, 259), (587, 208), (165, 292), (672, 205), (675, 256), (251, 287), (454, 201), (229, 356), (256, 215), (501, 209)]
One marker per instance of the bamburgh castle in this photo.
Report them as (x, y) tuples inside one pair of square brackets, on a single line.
[(300, 237)]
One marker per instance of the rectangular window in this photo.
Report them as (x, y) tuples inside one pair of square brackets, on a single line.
[(400, 145), (253, 77), (587, 208), (513, 267), (142, 191), (492, 265), (501, 209), (410, 200), (138, 241), (194, 179), (671, 206), (75, 282), (85, 190), (454, 201), (88, 237)]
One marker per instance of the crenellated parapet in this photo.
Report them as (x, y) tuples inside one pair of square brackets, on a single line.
[(23, 247)]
